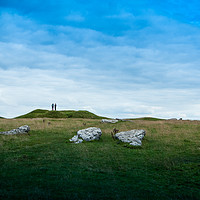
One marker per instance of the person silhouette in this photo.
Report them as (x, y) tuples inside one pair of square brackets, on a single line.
[(55, 106), (52, 106)]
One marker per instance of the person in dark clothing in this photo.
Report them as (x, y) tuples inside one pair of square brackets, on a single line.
[(55, 106), (52, 106)]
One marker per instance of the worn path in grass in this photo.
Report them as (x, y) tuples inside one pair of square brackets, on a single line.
[(44, 166)]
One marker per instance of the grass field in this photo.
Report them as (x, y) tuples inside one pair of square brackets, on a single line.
[(44, 166)]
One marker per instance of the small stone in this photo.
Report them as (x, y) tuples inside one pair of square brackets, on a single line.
[(74, 139), (113, 121), (78, 141)]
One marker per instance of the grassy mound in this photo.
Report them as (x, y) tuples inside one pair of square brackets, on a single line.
[(39, 113), (148, 119)]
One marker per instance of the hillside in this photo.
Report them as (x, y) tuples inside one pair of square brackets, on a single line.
[(147, 119), (39, 113)]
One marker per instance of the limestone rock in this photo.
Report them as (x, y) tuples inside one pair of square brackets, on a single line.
[(109, 121), (76, 140), (21, 130), (90, 134), (133, 137), (87, 134)]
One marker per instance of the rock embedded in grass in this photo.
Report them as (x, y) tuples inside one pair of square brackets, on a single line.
[(87, 134), (112, 121), (133, 137), (21, 130), (76, 140)]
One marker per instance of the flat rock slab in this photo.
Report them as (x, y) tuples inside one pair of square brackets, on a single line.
[(133, 137), (21, 130), (112, 121), (87, 134)]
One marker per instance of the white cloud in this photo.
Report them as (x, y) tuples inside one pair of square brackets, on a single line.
[(35, 88), (85, 69), (122, 15), (75, 17)]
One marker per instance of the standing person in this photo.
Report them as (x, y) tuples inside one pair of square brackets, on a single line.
[(52, 106), (55, 106)]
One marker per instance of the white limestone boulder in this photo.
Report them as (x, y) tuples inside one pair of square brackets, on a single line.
[(133, 137), (21, 130), (90, 134), (112, 121), (87, 134)]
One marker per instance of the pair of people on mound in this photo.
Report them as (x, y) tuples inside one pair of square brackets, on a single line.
[(53, 106)]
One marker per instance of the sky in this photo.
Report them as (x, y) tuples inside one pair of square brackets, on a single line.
[(115, 58)]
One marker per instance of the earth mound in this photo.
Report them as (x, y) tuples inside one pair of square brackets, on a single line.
[(39, 113)]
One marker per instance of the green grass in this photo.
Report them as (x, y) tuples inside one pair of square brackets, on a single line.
[(44, 166), (39, 113)]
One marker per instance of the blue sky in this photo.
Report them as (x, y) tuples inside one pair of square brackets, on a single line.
[(114, 58)]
